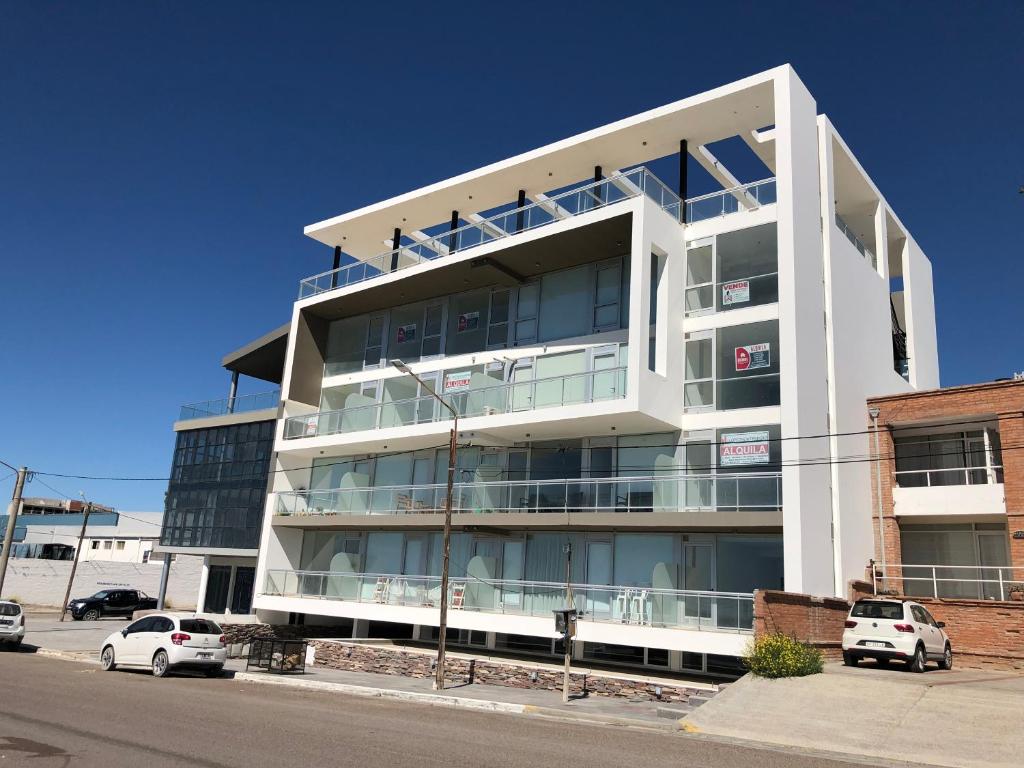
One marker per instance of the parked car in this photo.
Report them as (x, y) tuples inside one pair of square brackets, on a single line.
[(110, 602), (166, 641), (886, 629), (12, 623)]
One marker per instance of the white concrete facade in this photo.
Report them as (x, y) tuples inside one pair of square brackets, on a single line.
[(845, 270)]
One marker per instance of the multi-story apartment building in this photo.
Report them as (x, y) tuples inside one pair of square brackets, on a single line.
[(217, 492), (653, 384), (951, 507)]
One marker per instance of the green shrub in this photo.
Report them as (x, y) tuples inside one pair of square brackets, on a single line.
[(779, 655)]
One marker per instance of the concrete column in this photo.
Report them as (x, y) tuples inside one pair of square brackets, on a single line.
[(204, 576), (882, 242), (807, 510), (360, 628), (164, 573), (231, 589)]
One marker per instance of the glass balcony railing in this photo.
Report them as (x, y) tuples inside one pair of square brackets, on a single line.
[(574, 389), (636, 605), (738, 492), (237, 404), (746, 197), (856, 241), (597, 194)]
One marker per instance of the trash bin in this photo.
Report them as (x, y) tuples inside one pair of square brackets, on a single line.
[(275, 654)]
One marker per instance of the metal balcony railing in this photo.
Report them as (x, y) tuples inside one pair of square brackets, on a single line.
[(237, 404), (739, 492), (588, 197), (746, 197), (856, 241), (636, 605), (574, 389), (970, 582)]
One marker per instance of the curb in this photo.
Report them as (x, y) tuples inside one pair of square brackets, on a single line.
[(452, 702)]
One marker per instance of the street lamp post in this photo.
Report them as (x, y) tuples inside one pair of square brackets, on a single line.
[(439, 672)]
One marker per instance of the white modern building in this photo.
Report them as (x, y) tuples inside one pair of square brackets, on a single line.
[(119, 537), (651, 382)]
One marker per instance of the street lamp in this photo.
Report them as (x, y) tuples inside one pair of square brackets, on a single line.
[(439, 672)]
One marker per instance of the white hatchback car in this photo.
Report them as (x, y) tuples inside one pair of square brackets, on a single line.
[(12, 623), (166, 641), (884, 629)]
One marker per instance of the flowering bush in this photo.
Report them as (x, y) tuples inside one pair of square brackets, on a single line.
[(779, 655)]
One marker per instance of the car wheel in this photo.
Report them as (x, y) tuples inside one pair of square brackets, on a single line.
[(215, 671), (947, 658), (849, 659), (160, 664), (107, 659), (91, 615), (916, 664)]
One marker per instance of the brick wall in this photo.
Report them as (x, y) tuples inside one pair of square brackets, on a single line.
[(985, 634), (817, 621), (336, 654)]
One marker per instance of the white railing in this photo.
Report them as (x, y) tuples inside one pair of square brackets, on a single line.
[(511, 397), (226, 405), (588, 197), (972, 582), (637, 605), (905, 478), (737, 492), (745, 197)]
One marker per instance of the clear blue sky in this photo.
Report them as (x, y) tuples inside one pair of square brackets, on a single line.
[(159, 160)]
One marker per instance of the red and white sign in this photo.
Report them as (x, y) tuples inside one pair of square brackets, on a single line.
[(457, 381), (736, 293), (743, 448), (753, 356)]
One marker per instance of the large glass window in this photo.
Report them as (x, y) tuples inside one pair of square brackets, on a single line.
[(565, 304), (346, 342), (748, 365), (950, 458), (735, 270), (468, 322)]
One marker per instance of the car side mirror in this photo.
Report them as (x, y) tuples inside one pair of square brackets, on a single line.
[(940, 624), (124, 632)]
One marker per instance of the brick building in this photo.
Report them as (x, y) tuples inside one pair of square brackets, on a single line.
[(952, 491)]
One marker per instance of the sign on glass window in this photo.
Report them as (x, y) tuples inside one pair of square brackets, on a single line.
[(753, 356), (468, 321), (743, 449), (735, 293), (406, 333), (457, 381)]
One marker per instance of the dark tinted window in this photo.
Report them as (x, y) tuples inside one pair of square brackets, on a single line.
[(162, 624), (874, 609), (9, 609), (142, 625), (101, 594), (200, 627)]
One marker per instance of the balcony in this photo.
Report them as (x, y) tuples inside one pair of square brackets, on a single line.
[(582, 199), (229, 405), (855, 241), (747, 492), (746, 197), (969, 582), (635, 606), (949, 474), (513, 397)]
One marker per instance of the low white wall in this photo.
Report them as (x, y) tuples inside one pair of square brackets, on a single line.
[(42, 582)]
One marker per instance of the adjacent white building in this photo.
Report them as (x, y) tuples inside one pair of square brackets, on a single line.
[(651, 383), (128, 538)]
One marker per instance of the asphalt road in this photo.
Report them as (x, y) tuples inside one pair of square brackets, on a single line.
[(62, 713)]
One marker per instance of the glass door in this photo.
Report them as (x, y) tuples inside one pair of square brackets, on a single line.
[(698, 574), (606, 382), (992, 556), (522, 384), (512, 552), (699, 486), (599, 602)]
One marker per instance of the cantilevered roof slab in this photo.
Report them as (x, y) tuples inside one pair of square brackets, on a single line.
[(262, 358), (734, 109)]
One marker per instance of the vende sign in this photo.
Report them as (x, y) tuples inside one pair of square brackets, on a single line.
[(736, 293), (743, 449), (754, 356)]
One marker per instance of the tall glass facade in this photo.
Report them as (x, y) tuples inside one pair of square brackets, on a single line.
[(218, 486)]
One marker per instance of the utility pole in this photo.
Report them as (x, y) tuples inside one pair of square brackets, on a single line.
[(12, 518), (569, 603), (74, 565)]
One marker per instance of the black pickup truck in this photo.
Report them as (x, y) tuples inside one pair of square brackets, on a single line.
[(110, 602)]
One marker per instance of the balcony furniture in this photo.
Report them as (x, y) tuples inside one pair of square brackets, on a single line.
[(381, 589), (277, 654)]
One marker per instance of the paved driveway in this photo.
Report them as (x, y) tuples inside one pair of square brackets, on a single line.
[(45, 630)]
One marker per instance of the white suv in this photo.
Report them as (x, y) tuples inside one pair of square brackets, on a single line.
[(12, 623), (166, 641), (884, 629)]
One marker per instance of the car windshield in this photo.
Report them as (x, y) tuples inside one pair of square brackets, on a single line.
[(9, 609), (200, 626), (876, 609), (101, 594)]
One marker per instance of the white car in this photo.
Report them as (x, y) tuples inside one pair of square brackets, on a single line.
[(12, 623), (885, 629), (166, 641)]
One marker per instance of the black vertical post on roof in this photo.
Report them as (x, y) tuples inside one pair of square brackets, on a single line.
[(598, 175), (396, 243), (337, 264), (520, 202), (453, 238), (683, 155)]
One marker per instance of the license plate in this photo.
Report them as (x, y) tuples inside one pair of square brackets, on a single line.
[(870, 644), (6, 622), (204, 655)]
